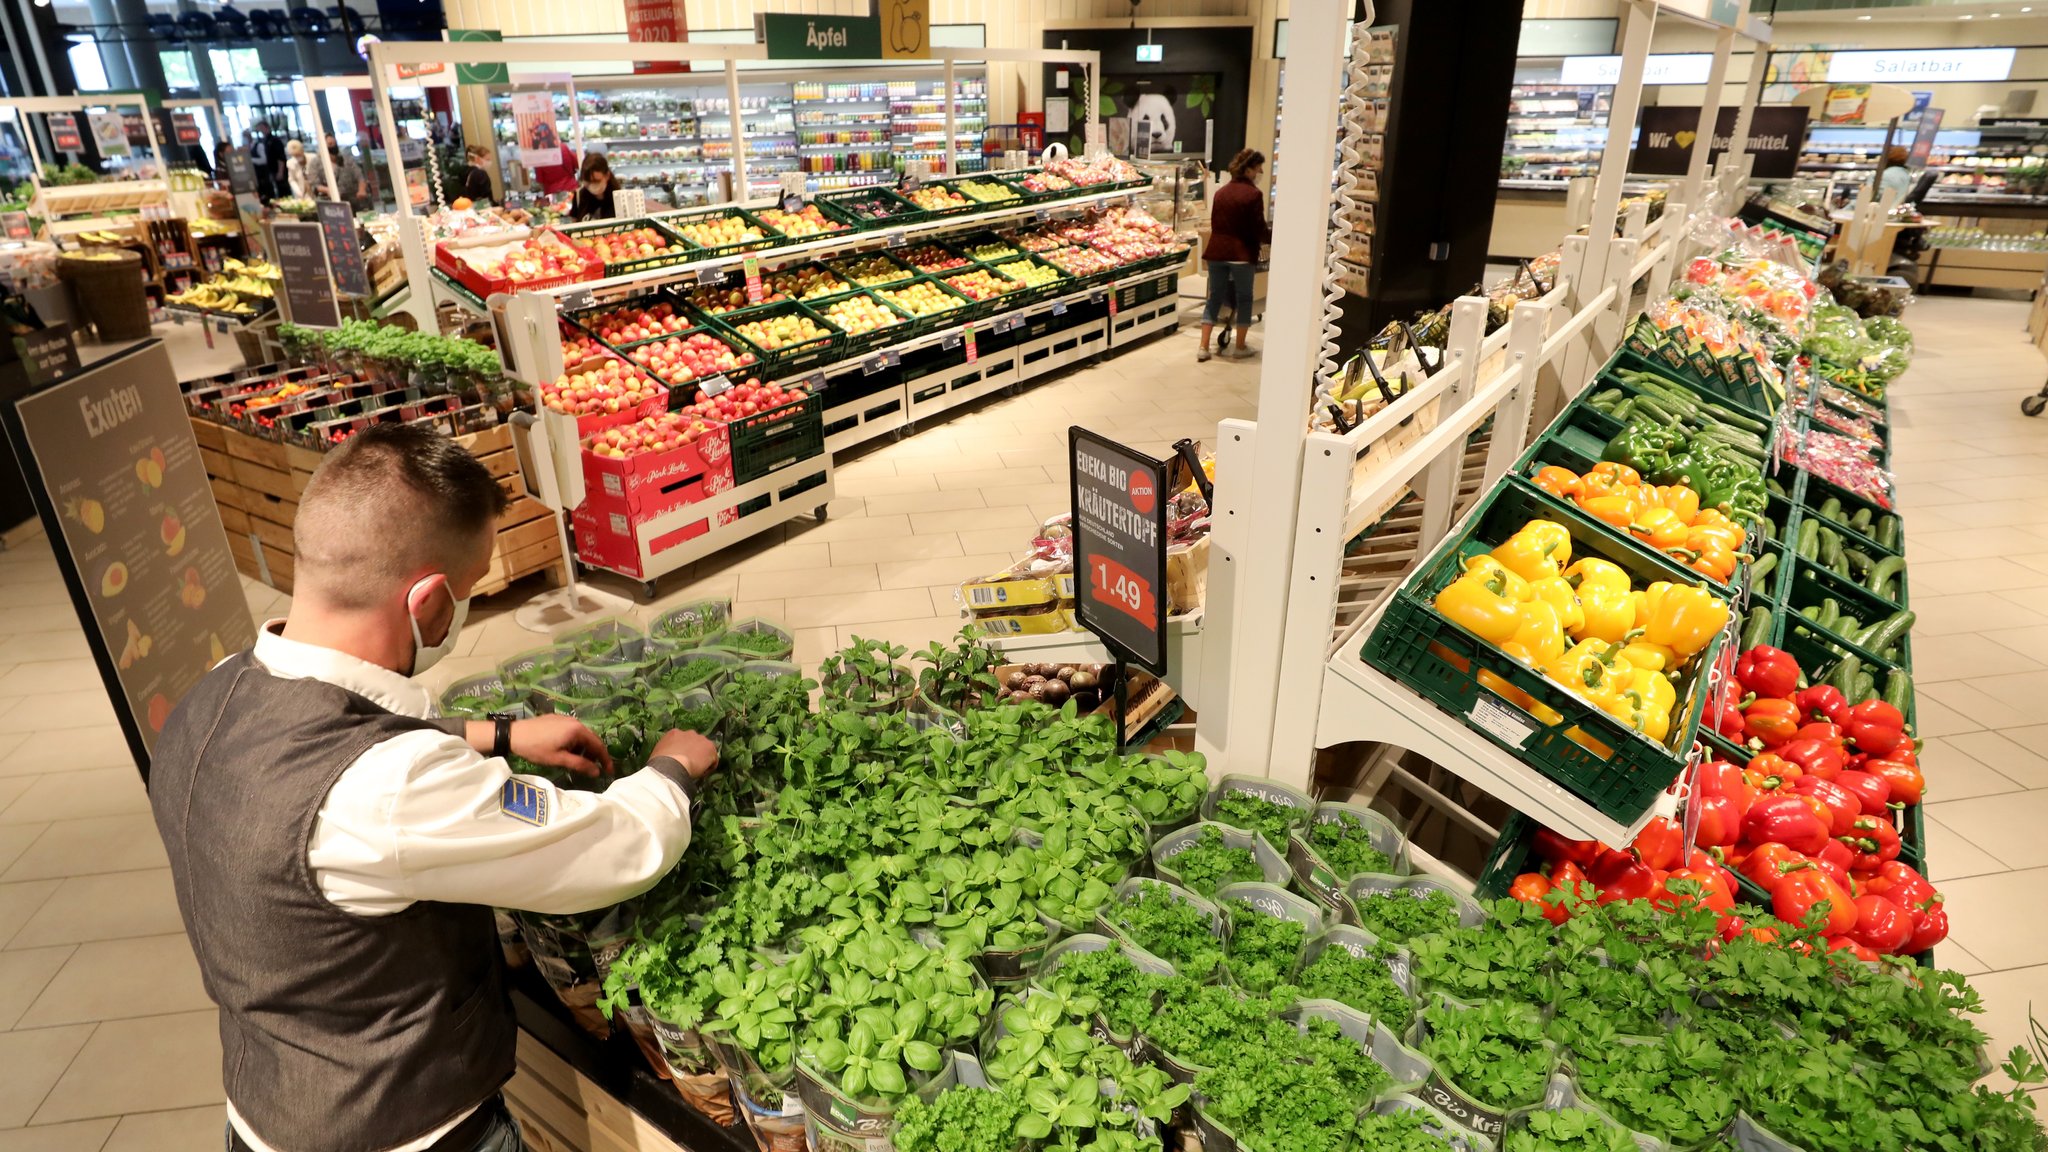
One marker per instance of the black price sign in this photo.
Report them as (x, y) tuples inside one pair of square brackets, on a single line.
[(47, 355), (241, 174), (344, 247), (1119, 499), (308, 284)]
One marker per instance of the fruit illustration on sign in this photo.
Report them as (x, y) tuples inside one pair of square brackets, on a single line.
[(114, 579), (193, 592), (173, 532), (88, 512), (159, 712), (136, 648), (150, 469), (215, 650)]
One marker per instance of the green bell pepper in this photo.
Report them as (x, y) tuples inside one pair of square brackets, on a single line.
[(1646, 448)]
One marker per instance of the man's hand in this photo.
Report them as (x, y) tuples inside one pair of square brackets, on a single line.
[(697, 755), (557, 741)]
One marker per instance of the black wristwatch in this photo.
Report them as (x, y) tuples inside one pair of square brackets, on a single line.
[(501, 741)]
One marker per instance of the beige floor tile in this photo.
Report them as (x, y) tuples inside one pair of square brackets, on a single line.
[(897, 550), (30, 647), (1031, 495), (1959, 776), (928, 523), (181, 1054), (879, 484), (51, 676), (79, 1136), (17, 619), (1988, 574), (67, 750), (916, 502), (1967, 656), (874, 528), (772, 557), (1971, 612), (114, 979), (113, 906), (23, 976), (1971, 703), (814, 644), (1954, 957), (766, 609), (949, 570), (857, 608), (1951, 857), (808, 582), (2008, 826), (914, 634), (186, 1130), (57, 710), (35, 1060), (74, 795), (2020, 690), (1981, 918), (995, 478)]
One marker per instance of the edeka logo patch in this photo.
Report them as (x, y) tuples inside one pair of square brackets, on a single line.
[(522, 801)]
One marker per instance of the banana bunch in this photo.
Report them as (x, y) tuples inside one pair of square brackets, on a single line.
[(213, 298), (260, 269), (251, 286), (103, 238)]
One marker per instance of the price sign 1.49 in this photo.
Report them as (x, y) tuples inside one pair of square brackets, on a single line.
[(1120, 547), (1116, 585)]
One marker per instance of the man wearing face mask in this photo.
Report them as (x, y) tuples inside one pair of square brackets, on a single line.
[(337, 850)]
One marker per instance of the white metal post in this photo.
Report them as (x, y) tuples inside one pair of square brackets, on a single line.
[(1639, 20), (1461, 358), (952, 118), (1294, 318), (1710, 114), (739, 136)]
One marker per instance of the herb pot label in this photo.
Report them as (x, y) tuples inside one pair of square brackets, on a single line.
[(1438, 1093)]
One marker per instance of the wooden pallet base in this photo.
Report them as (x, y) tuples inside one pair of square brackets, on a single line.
[(560, 1110)]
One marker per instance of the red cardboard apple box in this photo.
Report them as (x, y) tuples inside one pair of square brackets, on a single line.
[(454, 257), (650, 484), (606, 539)]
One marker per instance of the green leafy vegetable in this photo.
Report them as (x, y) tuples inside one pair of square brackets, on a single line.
[(1346, 846), (1493, 1051), (1170, 928), (1255, 814), (1262, 949), (1400, 915), (1210, 863), (1362, 982)]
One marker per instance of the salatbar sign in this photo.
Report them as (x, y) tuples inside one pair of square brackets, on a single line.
[(1664, 144), (1120, 547)]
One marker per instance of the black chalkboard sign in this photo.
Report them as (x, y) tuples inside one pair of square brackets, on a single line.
[(308, 295), (1119, 501)]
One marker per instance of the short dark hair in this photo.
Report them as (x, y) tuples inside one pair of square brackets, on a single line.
[(393, 502), (593, 163), (1244, 162)]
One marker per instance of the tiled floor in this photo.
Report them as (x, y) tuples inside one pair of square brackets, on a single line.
[(106, 1040)]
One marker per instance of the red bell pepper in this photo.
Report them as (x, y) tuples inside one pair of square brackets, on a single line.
[(1786, 820), (1816, 757), (1661, 844), (1716, 890), (1881, 925), (1717, 821), (1610, 866), (1726, 711), (1767, 862), (1820, 730), (1845, 944), (1638, 882), (1834, 859), (1872, 791), (1930, 927), (1907, 784), (1903, 885), (1805, 889), (1569, 877), (1769, 772), (1842, 805), (1721, 778), (1822, 702), (1766, 671), (1876, 727), (1555, 848), (1770, 722), (1873, 840)]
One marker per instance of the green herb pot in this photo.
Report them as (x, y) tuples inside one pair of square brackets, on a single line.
[(1270, 791), (1105, 922), (1170, 817), (1400, 968), (1368, 885), (1563, 1096), (1407, 1066), (849, 693), (1048, 968), (619, 721), (478, 696), (510, 941), (676, 679), (769, 668), (1460, 1139), (693, 624), (774, 1116), (1272, 865), (610, 641), (1243, 903), (1751, 1136), (563, 692), (692, 711), (836, 1120), (924, 714), (1444, 1093), (573, 953), (529, 668), (762, 631), (1318, 877)]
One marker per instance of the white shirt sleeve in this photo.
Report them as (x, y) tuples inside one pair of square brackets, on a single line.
[(423, 816)]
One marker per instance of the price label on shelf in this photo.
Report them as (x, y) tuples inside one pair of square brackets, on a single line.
[(578, 300), (950, 341), (815, 382), (753, 271), (1130, 199), (792, 204), (712, 275), (714, 385), (1097, 296), (221, 326), (1059, 307), (895, 240), (1041, 215), (967, 336)]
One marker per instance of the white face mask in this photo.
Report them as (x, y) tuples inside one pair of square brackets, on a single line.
[(423, 655)]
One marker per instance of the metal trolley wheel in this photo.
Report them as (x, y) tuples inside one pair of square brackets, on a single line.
[(2033, 405)]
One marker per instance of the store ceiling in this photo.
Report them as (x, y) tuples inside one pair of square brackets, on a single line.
[(1896, 10)]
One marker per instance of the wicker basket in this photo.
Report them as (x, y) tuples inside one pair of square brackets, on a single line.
[(109, 293)]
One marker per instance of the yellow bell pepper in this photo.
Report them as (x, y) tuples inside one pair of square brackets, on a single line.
[(1571, 615), (1590, 668), (1626, 705), (1609, 612), (1660, 527), (1542, 548), (1649, 657), (1541, 634), (1682, 617), (1594, 570), (1485, 565), (1659, 698), (1480, 605)]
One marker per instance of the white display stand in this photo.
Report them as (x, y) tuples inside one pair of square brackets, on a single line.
[(80, 207)]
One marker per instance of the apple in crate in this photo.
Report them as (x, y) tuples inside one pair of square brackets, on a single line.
[(807, 221), (634, 244), (978, 285), (921, 299), (628, 325), (580, 347), (719, 231), (857, 315), (611, 387), (775, 333), (662, 433), (744, 399), (932, 258), (679, 360)]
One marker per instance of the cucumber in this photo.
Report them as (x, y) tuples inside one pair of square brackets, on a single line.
[(1898, 689), (1809, 539), (1772, 486), (1831, 550), (1622, 410), (1831, 508), (1606, 397), (1888, 532), (1860, 563), (1861, 520), (1655, 410), (1866, 687), (1743, 420), (1843, 677), (1882, 576), (1762, 568), (1829, 613), (1809, 611), (1756, 629), (1887, 633)]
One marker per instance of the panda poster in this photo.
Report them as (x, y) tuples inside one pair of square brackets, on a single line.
[(1167, 111)]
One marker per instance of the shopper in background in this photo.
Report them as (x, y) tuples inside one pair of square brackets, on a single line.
[(336, 850), (594, 197), (354, 186), (1237, 229), (476, 179), (558, 179), (263, 158), (298, 174), (1896, 176)]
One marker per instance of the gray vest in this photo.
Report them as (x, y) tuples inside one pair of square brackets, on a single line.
[(339, 1032)]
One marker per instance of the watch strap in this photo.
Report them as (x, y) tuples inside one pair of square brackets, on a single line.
[(501, 739)]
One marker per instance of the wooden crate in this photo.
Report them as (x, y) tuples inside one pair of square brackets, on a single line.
[(268, 453), (210, 436), (561, 1110)]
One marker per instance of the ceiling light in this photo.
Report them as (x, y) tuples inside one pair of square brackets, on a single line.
[(1967, 16), (1863, 17)]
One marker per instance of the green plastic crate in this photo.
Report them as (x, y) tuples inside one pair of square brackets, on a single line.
[(1613, 768), (1750, 397), (1816, 493), (770, 441), (1508, 858)]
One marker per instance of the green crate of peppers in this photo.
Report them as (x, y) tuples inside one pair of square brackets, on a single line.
[(1672, 437)]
